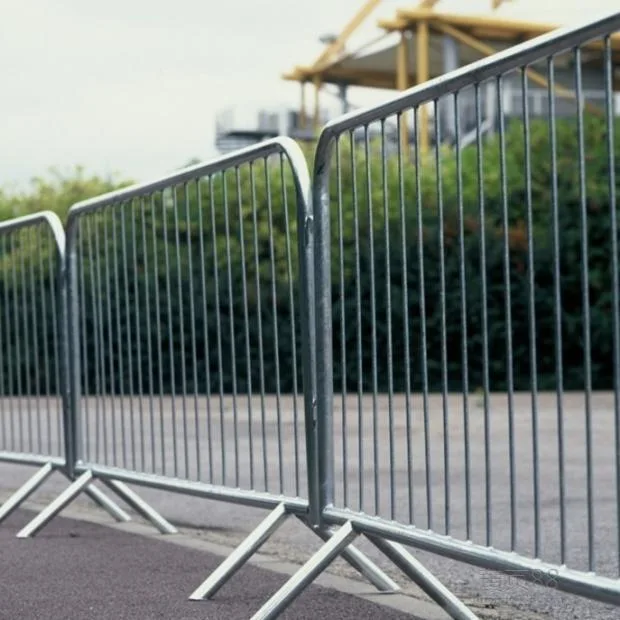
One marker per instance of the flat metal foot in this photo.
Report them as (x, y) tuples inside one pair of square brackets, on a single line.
[(241, 554), (362, 563), (25, 491), (61, 502), (140, 506), (423, 578), (307, 573)]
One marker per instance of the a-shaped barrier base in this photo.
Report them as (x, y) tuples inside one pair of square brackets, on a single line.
[(35, 481), (262, 533), (25, 491), (84, 484), (336, 546)]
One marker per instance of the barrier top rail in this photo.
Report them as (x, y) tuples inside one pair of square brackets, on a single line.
[(285, 145), (48, 217)]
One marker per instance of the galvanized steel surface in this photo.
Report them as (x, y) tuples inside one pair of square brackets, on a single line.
[(32, 250), (482, 471), (422, 461), (164, 425)]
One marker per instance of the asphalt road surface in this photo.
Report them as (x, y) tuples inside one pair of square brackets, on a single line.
[(192, 439), (82, 571)]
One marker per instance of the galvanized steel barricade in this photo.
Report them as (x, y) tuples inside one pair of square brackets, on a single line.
[(429, 271), (35, 424), (187, 305), (32, 251)]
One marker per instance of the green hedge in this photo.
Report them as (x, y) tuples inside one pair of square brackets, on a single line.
[(145, 356), (597, 204)]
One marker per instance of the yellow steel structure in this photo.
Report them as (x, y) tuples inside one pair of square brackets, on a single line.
[(338, 44), (332, 50), (422, 74), (488, 50), (402, 78), (419, 28)]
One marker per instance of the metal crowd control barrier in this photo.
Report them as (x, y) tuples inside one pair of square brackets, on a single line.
[(31, 428), (482, 478), (171, 389), (141, 330), (33, 420)]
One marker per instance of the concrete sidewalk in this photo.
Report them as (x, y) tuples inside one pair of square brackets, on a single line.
[(80, 570)]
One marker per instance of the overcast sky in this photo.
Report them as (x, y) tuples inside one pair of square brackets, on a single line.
[(133, 86)]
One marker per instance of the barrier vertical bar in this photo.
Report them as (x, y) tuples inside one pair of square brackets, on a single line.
[(70, 348), (319, 436)]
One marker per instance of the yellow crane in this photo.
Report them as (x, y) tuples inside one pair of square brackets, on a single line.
[(337, 45), (388, 68)]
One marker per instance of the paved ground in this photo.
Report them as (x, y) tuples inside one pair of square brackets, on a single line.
[(75, 570), (198, 450)]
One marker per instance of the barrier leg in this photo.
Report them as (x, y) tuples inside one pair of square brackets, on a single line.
[(360, 562), (241, 554), (109, 505), (423, 578), (336, 544), (81, 484), (25, 491), (140, 506), (61, 502), (103, 501), (84, 484)]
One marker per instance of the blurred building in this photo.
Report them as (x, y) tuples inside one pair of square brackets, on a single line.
[(413, 44)]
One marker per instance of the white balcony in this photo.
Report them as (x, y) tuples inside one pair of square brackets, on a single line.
[(239, 126)]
